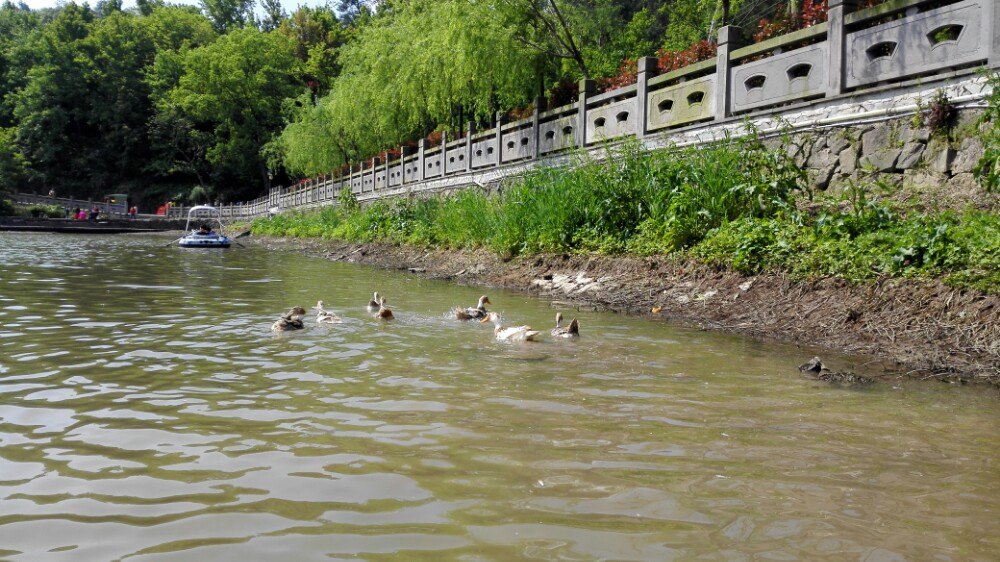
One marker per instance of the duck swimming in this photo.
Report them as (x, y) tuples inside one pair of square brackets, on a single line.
[(472, 313), (324, 316), (291, 320), (512, 333), (375, 302), (571, 331), (383, 312)]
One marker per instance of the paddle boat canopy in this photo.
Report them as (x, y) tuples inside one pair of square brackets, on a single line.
[(209, 232)]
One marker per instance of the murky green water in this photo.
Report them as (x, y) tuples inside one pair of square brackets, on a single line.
[(146, 411)]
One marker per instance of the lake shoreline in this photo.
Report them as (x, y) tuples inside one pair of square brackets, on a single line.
[(910, 328)]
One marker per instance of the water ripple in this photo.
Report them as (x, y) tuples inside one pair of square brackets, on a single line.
[(149, 412)]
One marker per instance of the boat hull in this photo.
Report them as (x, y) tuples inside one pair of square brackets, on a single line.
[(195, 241)]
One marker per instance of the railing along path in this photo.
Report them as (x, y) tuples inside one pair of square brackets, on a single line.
[(854, 51)]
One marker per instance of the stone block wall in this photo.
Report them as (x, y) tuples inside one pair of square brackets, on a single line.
[(908, 158)]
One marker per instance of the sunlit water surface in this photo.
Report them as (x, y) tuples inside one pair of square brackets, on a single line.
[(147, 411)]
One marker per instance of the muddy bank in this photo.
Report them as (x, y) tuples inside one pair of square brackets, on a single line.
[(921, 329)]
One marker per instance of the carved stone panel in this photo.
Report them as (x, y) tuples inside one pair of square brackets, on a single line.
[(484, 152), (432, 165), (682, 103), (455, 159), (556, 134), (517, 145), (610, 121), (932, 40), (789, 76), (410, 168), (395, 175)]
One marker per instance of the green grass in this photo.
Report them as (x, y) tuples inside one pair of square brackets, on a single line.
[(730, 205), (963, 248), (633, 201)]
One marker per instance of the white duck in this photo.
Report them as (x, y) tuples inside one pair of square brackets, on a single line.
[(324, 316), (512, 333)]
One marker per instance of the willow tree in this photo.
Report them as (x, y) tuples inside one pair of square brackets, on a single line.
[(404, 76)]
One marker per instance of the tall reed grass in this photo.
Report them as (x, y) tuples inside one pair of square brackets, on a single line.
[(631, 201)]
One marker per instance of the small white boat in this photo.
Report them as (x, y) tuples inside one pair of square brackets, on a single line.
[(206, 236)]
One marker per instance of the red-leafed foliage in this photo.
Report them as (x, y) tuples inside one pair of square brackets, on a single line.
[(627, 74), (434, 138), (812, 13), (673, 60), (519, 113), (394, 152), (566, 91)]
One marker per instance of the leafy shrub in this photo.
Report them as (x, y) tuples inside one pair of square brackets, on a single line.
[(39, 211), (811, 13), (674, 60), (988, 168), (965, 248)]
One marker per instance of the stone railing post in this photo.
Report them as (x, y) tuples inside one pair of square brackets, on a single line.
[(729, 37), (836, 41), (385, 180), (992, 34), (587, 89), (421, 166), (648, 67), (444, 153), (499, 138), (402, 166), (374, 171), (469, 131), (536, 127)]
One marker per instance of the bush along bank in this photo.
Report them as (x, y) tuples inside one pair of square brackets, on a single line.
[(738, 205)]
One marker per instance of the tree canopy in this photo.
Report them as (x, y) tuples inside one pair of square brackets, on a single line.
[(221, 100)]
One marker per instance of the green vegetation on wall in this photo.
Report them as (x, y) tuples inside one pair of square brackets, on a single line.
[(733, 205)]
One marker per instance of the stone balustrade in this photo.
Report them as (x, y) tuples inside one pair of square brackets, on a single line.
[(855, 51)]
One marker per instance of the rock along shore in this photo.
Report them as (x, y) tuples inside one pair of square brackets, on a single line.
[(914, 328)]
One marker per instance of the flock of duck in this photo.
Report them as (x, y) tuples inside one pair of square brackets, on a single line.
[(294, 320)]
